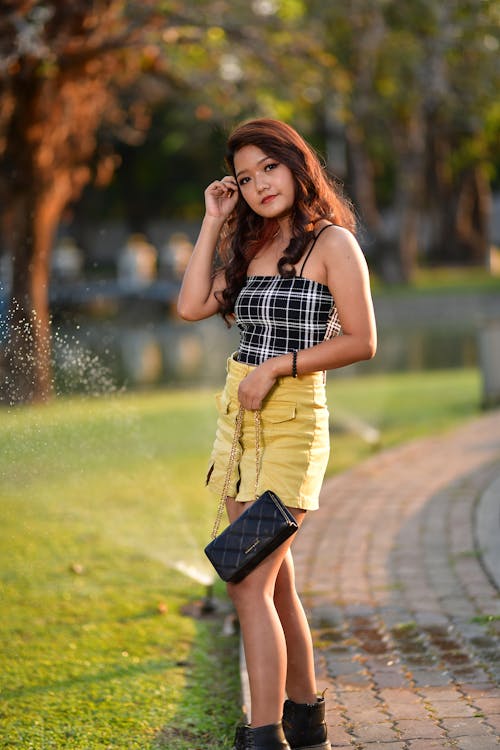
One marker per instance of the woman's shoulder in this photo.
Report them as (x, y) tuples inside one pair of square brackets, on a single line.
[(332, 237), (339, 252), (327, 228), (341, 256)]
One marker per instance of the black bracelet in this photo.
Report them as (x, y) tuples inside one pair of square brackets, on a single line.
[(294, 363)]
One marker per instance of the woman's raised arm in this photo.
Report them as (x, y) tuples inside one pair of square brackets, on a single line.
[(197, 298)]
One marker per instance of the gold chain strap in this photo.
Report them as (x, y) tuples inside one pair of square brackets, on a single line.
[(237, 433), (258, 429)]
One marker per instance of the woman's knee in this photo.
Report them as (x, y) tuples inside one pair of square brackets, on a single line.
[(233, 591), (259, 586), (245, 601), (256, 589), (285, 593), (246, 591), (285, 580)]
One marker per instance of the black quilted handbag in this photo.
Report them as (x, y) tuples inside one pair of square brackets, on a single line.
[(260, 529)]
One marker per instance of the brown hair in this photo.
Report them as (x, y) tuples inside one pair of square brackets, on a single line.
[(317, 196)]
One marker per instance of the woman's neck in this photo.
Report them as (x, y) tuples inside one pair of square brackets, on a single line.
[(283, 232)]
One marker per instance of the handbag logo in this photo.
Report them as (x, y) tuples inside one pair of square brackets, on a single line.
[(252, 546)]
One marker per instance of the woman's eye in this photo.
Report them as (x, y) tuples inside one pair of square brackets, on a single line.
[(270, 166), (244, 180)]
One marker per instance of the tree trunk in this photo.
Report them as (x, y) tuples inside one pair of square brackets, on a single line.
[(44, 173), (461, 220), (473, 217), (409, 187), (363, 180), (380, 245), (459, 206), (25, 364)]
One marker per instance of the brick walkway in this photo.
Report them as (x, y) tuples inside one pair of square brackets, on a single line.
[(400, 573)]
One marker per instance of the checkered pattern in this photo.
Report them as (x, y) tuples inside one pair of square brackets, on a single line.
[(277, 315)]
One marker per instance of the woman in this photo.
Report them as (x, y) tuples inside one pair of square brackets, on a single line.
[(293, 276)]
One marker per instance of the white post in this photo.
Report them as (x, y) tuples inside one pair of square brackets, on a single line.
[(489, 357)]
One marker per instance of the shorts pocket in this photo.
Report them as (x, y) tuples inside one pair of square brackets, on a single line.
[(279, 411), (222, 402), (209, 472)]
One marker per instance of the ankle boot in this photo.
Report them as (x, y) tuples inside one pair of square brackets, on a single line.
[(269, 737), (305, 726)]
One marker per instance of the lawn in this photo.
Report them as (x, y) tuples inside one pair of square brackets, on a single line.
[(100, 500), (399, 406), (103, 507), (443, 280)]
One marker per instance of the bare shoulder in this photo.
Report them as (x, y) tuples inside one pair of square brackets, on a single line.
[(343, 262), (337, 238), (338, 246)]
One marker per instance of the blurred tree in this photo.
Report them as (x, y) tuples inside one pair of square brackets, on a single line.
[(61, 69), (418, 109), (73, 78), (381, 77), (262, 64), (462, 129)]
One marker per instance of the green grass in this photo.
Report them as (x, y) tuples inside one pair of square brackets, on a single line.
[(443, 280), (101, 499), (400, 406)]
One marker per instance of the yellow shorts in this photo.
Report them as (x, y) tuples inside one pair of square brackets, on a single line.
[(294, 442)]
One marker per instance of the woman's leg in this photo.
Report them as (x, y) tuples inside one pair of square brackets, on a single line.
[(262, 631), (300, 678)]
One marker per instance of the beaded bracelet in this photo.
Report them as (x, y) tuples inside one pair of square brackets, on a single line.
[(294, 363)]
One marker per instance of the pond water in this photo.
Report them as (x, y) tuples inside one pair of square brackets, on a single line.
[(108, 355)]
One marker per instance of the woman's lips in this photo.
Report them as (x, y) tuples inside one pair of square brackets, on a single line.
[(268, 199)]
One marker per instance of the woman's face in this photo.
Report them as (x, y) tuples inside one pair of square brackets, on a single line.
[(266, 184)]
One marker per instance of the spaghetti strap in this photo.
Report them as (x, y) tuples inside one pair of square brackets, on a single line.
[(312, 247)]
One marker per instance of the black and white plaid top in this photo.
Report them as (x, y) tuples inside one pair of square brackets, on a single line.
[(277, 315)]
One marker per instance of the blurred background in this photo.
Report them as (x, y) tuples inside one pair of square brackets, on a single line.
[(113, 119)]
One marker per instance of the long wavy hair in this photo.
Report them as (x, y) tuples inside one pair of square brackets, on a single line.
[(317, 196)]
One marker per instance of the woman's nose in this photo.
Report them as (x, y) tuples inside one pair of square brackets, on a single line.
[(260, 183)]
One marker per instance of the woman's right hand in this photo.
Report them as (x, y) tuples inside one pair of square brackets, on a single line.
[(221, 197)]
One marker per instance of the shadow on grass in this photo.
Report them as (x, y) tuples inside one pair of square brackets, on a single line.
[(155, 666), (210, 706)]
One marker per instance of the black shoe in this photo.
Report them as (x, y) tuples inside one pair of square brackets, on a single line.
[(269, 737), (305, 726)]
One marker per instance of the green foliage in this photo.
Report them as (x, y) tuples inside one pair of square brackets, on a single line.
[(384, 68)]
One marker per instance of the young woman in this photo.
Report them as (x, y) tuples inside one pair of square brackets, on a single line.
[(293, 278)]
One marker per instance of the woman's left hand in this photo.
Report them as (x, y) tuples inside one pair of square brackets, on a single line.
[(254, 388)]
